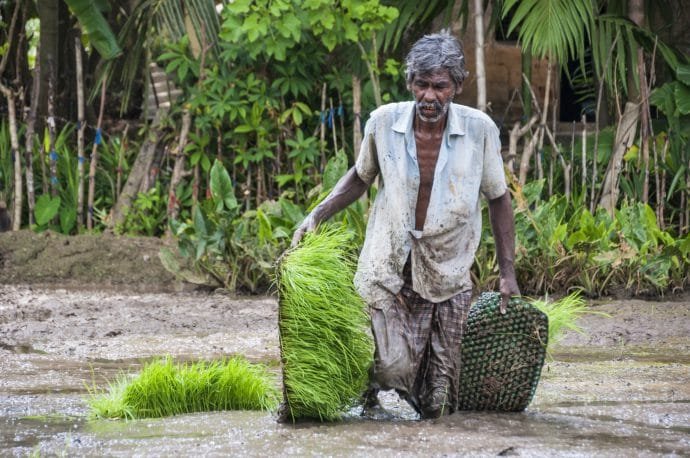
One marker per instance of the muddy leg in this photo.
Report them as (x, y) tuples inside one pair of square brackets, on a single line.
[(441, 379)]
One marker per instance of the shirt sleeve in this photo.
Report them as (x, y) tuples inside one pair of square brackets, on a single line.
[(493, 175), (367, 164)]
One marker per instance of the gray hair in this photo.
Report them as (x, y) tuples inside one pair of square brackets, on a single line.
[(435, 52)]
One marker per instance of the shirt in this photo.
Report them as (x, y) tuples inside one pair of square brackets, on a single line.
[(469, 163)]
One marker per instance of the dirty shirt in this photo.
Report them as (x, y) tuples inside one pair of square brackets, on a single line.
[(469, 163)]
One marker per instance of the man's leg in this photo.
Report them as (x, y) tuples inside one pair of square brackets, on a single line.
[(439, 381)]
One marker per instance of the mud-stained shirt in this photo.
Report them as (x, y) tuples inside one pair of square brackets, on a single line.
[(469, 163)]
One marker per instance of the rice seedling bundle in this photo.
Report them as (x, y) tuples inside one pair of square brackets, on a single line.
[(164, 388), (563, 315), (325, 345), (502, 354)]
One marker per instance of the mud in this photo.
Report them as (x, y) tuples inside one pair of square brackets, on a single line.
[(620, 389)]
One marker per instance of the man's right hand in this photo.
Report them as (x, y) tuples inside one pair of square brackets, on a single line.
[(308, 225)]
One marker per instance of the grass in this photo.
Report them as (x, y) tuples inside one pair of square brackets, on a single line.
[(164, 388), (325, 347)]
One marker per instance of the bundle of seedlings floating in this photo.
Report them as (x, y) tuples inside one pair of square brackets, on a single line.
[(502, 354), (164, 388), (325, 346)]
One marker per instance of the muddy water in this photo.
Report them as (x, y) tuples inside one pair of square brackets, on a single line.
[(621, 392)]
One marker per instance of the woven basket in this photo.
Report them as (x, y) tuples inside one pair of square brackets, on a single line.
[(502, 355)]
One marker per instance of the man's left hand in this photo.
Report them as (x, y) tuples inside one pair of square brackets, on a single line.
[(508, 288)]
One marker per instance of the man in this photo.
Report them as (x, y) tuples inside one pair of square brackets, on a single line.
[(433, 159)]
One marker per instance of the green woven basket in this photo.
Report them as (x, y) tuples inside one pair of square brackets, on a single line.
[(502, 355)]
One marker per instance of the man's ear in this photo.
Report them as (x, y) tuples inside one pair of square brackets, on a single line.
[(458, 89)]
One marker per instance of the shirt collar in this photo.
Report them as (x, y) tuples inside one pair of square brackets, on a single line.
[(455, 125)]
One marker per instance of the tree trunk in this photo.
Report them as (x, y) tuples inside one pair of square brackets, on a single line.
[(138, 172), (479, 50), (627, 126), (625, 136)]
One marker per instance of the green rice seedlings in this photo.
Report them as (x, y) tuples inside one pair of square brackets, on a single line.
[(563, 315), (164, 388), (325, 345)]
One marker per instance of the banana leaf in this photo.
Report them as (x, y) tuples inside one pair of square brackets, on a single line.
[(96, 27)]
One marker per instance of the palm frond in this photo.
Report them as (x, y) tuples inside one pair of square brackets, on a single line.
[(414, 17), (556, 28)]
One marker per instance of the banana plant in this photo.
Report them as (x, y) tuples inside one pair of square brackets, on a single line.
[(94, 25)]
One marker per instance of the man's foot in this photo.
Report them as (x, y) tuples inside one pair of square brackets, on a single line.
[(284, 414), (370, 398), (436, 403)]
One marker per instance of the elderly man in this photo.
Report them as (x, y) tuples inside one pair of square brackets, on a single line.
[(433, 159)]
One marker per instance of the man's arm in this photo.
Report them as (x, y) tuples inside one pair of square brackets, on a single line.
[(348, 189), (503, 227)]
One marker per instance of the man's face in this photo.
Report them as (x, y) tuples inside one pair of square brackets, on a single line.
[(433, 93)]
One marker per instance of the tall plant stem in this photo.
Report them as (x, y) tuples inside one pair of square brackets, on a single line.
[(52, 154), (584, 159), (29, 141), (81, 125), (322, 133), (14, 141), (479, 54), (357, 113), (178, 169), (333, 128), (14, 136), (94, 159), (373, 74), (644, 123)]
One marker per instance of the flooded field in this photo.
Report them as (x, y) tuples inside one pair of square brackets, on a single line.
[(620, 390)]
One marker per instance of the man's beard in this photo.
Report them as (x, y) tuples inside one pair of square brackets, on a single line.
[(439, 111)]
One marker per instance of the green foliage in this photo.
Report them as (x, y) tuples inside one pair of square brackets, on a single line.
[(164, 388), (46, 209), (237, 249), (325, 348), (147, 214), (561, 245)]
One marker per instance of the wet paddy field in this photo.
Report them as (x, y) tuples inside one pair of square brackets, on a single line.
[(621, 389)]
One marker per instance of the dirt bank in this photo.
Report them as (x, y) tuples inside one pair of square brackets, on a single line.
[(84, 261)]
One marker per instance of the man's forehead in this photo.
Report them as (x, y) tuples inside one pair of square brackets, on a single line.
[(436, 74)]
